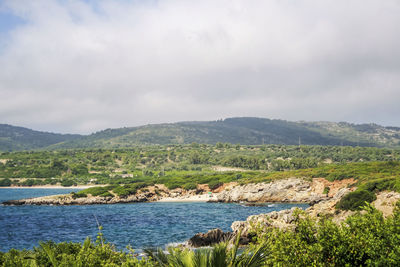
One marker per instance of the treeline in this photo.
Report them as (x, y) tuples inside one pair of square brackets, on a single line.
[(160, 159)]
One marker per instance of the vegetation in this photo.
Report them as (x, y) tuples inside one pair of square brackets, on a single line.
[(14, 138), (355, 200), (176, 165), (364, 239), (248, 131)]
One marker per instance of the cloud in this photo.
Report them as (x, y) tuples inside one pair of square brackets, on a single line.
[(81, 66)]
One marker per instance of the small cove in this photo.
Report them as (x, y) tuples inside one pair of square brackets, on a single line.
[(138, 224)]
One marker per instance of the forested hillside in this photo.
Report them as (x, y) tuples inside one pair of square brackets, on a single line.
[(14, 138), (246, 131)]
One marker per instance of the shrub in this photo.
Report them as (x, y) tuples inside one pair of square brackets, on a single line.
[(67, 182), (130, 189), (173, 185), (78, 195), (96, 191), (189, 186), (5, 182), (106, 194), (382, 184), (326, 190), (355, 200), (214, 184)]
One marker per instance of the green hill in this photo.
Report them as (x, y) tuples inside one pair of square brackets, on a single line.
[(246, 131), (14, 138)]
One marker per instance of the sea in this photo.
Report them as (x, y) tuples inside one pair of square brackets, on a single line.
[(139, 225)]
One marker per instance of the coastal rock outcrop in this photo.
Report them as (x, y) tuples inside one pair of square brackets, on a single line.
[(284, 219), (213, 236), (285, 190), (68, 199)]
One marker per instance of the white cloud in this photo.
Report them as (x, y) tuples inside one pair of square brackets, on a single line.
[(78, 66)]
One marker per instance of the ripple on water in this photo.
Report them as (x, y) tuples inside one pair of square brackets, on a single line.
[(138, 224)]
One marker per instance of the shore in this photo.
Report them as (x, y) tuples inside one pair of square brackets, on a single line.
[(195, 198), (49, 187)]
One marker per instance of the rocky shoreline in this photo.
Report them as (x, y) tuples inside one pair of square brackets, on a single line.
[(291, 190), (285, 219)]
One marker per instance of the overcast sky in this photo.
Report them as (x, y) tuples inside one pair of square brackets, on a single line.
[(82, 66)]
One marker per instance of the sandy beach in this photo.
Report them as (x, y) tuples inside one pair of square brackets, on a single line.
[(196, 198)]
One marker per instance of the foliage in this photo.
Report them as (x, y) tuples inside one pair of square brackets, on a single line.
[(72, 254), (18, 138), (355, 200), (363, 240), (5, 182), (189, 186), (326, 190), (214, 184), (67, 182), (95, 191), (124, 166), (80, 194), (248, 131), (129, 189), (221, 255)]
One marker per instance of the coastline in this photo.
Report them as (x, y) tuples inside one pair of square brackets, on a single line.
[(49, 187), (195, 198)]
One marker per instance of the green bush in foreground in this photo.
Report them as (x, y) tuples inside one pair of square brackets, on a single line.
[(362, 240)]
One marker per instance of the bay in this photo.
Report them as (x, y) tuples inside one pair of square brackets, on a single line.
[(138, 224)]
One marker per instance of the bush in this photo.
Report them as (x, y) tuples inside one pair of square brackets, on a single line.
[(173, 185), (214, 184), (378, 185), (67, 182), (78, 195), (106, 194), (326, 190), (130, 189), (5, 182), (189, 186), (355, 200), (96, 191)]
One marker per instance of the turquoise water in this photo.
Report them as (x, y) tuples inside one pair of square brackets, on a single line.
[(138, 224)]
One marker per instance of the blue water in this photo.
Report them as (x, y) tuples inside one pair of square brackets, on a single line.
[(138, 224)]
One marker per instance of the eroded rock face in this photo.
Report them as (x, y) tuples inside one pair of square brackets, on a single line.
[(279, 219), (285, 190), (212, 237)]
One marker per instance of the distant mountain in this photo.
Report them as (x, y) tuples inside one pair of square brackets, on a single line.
[(246, 131), (19, 138)]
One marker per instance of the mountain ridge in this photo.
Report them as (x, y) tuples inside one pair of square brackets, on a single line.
[(243, 130)]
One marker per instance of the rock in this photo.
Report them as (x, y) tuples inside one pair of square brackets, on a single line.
[(284, 190), (213, 236), (280, 219)]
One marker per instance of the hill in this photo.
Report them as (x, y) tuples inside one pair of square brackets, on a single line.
[(14, 138), (246, 131)]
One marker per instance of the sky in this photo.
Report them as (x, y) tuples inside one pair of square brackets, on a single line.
[(74, 66)]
